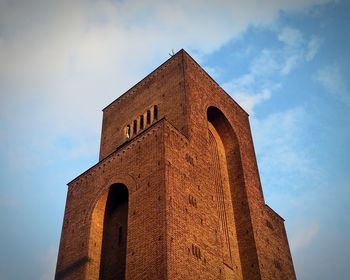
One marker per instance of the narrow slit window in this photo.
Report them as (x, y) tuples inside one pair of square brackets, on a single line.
[(141, 122), (148, 117), (127, 132), (155, 112), (135, 127)]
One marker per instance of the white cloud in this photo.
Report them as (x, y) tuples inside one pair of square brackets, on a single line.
[(259, 84), (331, 77), (56, 56), (293, 49), (54, 38), (313, 47), (249, 101), (291, 37), (304, 236), (290, 63), (277, 143), (266, 63), (296, 49)]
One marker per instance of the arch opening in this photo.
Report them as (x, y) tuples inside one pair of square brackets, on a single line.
[(114, 235)]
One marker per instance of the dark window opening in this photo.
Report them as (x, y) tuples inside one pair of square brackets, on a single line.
[(155, 112), (141, 122), (148, 117), (135, 127), (115, 227)]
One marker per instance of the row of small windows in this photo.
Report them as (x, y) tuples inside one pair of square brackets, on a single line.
[(142, 122)]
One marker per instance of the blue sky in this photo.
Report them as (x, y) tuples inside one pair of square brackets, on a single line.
[(286, 62)]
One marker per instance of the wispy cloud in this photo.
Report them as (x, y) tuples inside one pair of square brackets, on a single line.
[(270, 65), (250, 100), (63, 37), (332, 78), (56, 57), (297, 49), (313, 47), (278, 138), (291, 37)]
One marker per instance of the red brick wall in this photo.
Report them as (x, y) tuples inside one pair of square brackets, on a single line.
[(164, 87), (258, 259), (140, 167), (196, 207)]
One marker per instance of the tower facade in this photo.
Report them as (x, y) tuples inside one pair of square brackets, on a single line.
[(176, 193)]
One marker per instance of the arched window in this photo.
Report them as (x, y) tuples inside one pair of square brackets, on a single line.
[(155, 112), (148, 117), (115, 225), (141, 122), (135, 127)]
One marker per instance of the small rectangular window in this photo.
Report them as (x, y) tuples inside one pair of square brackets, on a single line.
[(135, 127), (141, 122), (148, 117), (155, 112)]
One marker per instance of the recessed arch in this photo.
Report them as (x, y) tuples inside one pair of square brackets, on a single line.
[(219, 126), (108, 233), (114, 238)]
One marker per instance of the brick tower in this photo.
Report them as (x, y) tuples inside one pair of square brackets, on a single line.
[(176, 193)]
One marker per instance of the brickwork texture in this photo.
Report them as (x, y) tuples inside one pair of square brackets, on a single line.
[(176, 193)]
